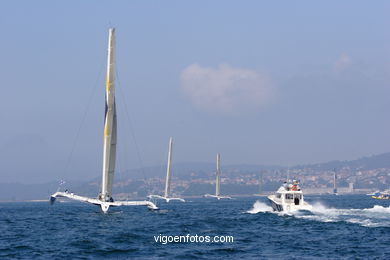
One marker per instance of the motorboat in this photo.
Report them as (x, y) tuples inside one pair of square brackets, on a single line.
[(384, 195), (381, 197), (289, 197)]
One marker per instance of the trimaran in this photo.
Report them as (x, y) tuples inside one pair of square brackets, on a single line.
[(105, 199), (167, 192), (218, 182)]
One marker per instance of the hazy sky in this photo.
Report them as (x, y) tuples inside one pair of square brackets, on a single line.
[(261, 82)]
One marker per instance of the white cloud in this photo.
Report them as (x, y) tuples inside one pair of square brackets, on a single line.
[(226, 89), (342, 63)]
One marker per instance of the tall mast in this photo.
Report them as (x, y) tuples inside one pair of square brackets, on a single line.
[(110, 124), (218, 176), (168, 179), (334, 181)]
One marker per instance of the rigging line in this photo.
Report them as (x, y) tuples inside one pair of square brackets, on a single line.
[(130, 124), (92, 94)]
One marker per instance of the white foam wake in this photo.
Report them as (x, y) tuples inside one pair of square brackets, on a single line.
[(377, 216), (379, 209), (259, 207), (369, 217)]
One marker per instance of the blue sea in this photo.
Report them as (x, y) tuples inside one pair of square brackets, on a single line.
[(339, 227)]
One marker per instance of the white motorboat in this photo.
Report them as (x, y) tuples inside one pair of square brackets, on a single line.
[(289, 197)]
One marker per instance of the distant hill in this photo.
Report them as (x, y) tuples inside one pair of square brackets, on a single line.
[(187, 170), (182, 171), (364, 163)]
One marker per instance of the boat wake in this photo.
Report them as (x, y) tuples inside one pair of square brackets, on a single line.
[(377, 216), (259, 207)]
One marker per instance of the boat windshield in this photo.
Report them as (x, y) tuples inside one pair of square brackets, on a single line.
[(298, 196)]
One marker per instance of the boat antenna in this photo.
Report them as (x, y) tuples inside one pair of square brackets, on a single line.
[(288, 174), (261, 183)]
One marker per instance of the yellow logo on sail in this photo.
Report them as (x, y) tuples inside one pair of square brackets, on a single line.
[(108, 85)]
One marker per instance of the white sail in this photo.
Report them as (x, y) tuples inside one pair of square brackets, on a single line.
[(168, 178), (110, 126), (105, 200), (218, 177)]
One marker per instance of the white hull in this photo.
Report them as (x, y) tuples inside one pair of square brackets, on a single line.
[(217, 197), (103, 204), (277, 205)]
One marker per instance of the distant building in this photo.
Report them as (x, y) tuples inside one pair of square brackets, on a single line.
[(351, 187)]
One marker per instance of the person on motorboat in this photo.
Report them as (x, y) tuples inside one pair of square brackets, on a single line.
[(295, 185)]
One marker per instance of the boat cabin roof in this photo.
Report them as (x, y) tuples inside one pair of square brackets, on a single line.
[(283, 190)]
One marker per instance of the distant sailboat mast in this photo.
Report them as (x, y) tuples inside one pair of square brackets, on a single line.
[(218, 181), (218, 177), (334, 181), (110, 124), (168, 178)]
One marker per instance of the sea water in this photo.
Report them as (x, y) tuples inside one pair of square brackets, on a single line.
[(338, 227)]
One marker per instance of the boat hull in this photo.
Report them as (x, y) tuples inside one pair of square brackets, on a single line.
[(380, 197), (287, 207), (275, 206)]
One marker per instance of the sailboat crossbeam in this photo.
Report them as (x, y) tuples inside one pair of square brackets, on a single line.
[(217, 196), (72, 196), (167, 199), (105, 204)]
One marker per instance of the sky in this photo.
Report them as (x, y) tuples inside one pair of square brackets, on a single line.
[(261, 82)]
